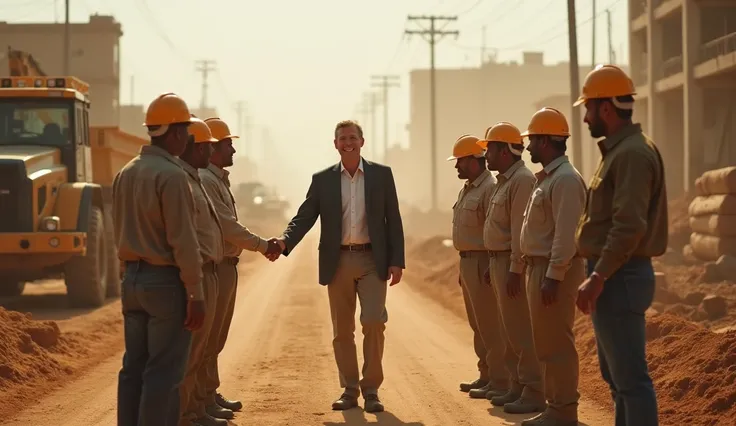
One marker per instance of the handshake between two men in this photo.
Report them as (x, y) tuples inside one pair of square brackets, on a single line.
[(276, 246)]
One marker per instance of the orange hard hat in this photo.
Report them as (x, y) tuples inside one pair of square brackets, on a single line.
[(466, 146), (606, 81), (547, 121), (200, 131), (166, 109), (219, 129), (503, 131)]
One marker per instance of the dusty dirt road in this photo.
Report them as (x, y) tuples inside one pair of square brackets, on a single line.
[(279, 362)]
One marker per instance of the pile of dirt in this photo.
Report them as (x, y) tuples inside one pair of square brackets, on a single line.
[(27, 348), (693, 369)]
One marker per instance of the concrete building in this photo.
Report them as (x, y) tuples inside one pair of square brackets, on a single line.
[(95, 58), (683, 62), (471, 99)]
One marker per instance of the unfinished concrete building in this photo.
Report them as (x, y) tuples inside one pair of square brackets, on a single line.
[(683, 62)]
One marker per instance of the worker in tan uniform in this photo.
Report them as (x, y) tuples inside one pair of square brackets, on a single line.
[(502, 237), (624, 226), (553, 269), (237, 238), (162, 295), (469, 213), (196, 156)]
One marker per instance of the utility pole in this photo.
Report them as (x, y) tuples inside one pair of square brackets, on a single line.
[(483, 46), (432, 36), (385, 82), (577, 148), (205, 66), (67, 37), (241, 109), (132, 90), (611, 53), (370, 103), (592, 56)]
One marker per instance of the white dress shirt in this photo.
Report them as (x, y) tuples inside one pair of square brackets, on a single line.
[(354, 224)]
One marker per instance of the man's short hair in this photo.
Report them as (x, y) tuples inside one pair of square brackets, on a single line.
[(559, 143), (624, 114), (349, 123)]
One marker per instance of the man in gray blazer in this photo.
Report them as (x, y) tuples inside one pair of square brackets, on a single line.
[(361, 247)]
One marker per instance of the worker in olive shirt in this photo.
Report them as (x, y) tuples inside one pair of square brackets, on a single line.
[(553, 269), (162, 296), (502, 232), (469, 213), (624, 226), (209, 234), (237, 238)]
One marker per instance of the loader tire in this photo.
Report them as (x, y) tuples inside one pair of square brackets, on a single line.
[(85, 276)]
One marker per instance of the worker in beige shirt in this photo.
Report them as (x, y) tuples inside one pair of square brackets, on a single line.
[(502, 237), (162, 296), (209, 234), (237, 238), (469, 213), (553, 269)]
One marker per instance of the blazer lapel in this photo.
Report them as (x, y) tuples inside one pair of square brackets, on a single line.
[(336, 188)]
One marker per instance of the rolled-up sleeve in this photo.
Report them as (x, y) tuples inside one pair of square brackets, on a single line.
[(233, 231), (177, 205), (568, 202)]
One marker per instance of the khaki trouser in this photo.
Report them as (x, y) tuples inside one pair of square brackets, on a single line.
[(526, 375), (489, 339), (227, 276), (192, 389), (356, 278), (554, 340)]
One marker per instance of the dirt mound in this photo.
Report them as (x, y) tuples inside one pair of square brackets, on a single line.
[(27, 348), (694, 370)]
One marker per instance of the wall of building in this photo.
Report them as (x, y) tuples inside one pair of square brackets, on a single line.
[(95, 58)]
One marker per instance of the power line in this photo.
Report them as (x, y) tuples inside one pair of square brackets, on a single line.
[(205, 66), (433, 36), (385, 82)]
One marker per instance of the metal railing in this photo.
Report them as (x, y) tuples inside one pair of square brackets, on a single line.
[(718, 47), (671, 66)]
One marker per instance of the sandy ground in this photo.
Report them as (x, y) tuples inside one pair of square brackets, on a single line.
[(279, 362)]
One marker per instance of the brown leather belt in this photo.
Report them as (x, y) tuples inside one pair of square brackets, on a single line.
[(230, 260), (496, 253), (357, 247), (471, 253)]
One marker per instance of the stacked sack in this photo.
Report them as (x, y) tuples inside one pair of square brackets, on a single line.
[(713, 216)]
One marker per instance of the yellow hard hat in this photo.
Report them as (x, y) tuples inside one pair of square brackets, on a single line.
[(547, 121), (201, 132), (606, 81), (466, 146), (219, 129), (166, 109), (503, 131)]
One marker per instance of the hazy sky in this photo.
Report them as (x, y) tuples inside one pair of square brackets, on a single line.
[(303, 65)]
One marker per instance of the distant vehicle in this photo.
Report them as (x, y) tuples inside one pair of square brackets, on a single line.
[(256, 201)]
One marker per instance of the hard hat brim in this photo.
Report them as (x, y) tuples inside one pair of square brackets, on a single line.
[(525, 134), (483, 143), (230, 137), (452, 157), (211, 140), (581, 100)]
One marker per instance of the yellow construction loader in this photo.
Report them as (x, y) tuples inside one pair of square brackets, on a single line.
[(56, 174)]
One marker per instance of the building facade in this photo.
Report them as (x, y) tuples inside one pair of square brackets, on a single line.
[(683, 62), (94, 58), (469, 100)]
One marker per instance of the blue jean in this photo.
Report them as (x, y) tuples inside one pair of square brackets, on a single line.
[(156, 346), (620, 332)]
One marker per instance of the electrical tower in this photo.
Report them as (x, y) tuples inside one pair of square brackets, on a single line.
[(205, 66), (577, 142), (433, 35), (385, 82)]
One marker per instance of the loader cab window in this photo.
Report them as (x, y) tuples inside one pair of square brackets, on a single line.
[(30, 122)]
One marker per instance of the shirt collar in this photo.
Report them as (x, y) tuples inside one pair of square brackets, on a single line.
[(607, 144), (483, 176), (510, 172), (189, 169), (551, 167), (360, 166), (158, 151)]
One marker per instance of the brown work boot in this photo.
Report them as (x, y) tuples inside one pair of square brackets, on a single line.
[(487, 392), (219, 412), (345, 402), (545, 419), (524, 406), (509, 397), (231, 405), (372, 404), (468, 386), (208, 420)]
